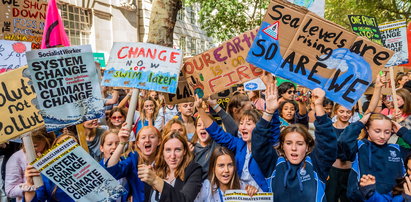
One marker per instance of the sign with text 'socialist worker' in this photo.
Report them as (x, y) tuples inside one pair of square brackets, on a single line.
[(67, 85)]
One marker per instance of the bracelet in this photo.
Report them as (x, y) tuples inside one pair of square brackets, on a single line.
[(123, 143), (268, 113), (27, 188), (215, 107)]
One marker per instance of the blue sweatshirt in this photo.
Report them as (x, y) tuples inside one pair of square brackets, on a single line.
[(382, 161), (296, 182), (128, 168), (239, 148), (45, 192), (373, 196)]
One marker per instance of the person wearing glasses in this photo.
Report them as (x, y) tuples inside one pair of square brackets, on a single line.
[(291, 111), (286, 91), (116, 118)]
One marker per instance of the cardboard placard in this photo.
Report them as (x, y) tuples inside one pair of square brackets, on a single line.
[(19, 114), (366, 26), (23, 20), (255, 84), (183, 92), (297, 45), (220, 68), (67, 85), (13, 54), (394, 37), (242, 196), (75, 172), (144, 66)]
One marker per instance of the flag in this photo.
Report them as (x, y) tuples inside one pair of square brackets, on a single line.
[(54, 34)]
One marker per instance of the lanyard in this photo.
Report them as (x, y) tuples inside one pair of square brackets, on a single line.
[(221, 195)]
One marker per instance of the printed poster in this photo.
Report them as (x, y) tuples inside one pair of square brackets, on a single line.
[(75, 172), (67, 86), (296, 45), (366, 26), (13, 54), (255, 84), (394, 37), (222, 67), (19, 114), (144, 66), (242, 196), (23, 20)]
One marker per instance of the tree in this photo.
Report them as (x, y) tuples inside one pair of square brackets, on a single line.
[(383, 10), (162, 21), (224, 19)]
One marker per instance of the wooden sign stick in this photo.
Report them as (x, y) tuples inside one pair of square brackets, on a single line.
[(82, 137), (394, 94), (31, 156), (132, 108)]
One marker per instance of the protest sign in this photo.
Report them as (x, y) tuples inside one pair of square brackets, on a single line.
[(255, 84), (394, 37), (242, 196), (66, 82), (144, 66), (18, 113), (296, 45), (99, 58), (183, 92), (409, 46), (366, 26), (75, 172), (23, 20), (315, 6), (219, 68), (13, 54)]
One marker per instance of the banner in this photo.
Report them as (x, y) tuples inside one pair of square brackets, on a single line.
[(220, 68), (366, 26), (394, 37), (23, 20), (255, 84), (315, 6), (242, 196), (13, 54), (67, 86), (54, 34), (75, 172), (18, 113), (316, 53), (144, 66)]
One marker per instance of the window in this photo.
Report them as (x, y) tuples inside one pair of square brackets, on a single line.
[(181, 14), (192, 15), (193, 46), (183, 44), (77, 23)]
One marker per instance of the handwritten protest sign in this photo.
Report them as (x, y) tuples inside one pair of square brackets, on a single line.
[(242, 196), (299, 46), (18, 113), (366, 26), (219, 68), (75, 172), (144, 66), (13, 54), (183, 92), (66, 82), (23, 20), (255, 84), (394, 37)]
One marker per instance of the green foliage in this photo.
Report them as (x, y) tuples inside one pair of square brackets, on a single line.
[(383, 10), (224, 19)]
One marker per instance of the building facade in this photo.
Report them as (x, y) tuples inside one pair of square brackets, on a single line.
[(102, 22)]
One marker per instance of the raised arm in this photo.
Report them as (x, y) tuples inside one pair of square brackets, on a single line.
[(214, 130), (228, 121), (267, 129), (372, 107), (325, 150)]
